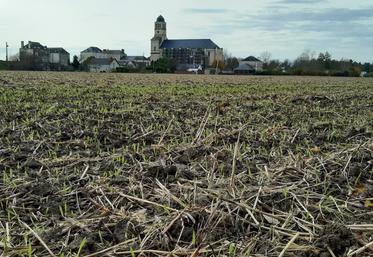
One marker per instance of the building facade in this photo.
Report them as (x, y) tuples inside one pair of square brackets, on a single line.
[(253, 62), (186, 53), (249, 65), (58, 56), (135, 62), (102, 64), (101, 54), (36, 56)]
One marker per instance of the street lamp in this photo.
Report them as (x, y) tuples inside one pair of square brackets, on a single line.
[(6, 51)]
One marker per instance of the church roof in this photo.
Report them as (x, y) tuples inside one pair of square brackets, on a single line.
[(160, 19), (189, 43), (251, 59)]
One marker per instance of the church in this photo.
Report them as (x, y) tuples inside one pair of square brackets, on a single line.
[(187, 53)]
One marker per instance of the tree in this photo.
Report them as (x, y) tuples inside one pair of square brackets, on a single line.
[(367, 67), (218, 64), (76, 63), (285, 65), (231, 63), (164, 65), (265, 57), (273, 65)]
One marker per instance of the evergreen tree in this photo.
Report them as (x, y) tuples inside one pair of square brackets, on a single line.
[(76, 63)]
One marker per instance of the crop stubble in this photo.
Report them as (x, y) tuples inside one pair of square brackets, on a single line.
[(178, 165)]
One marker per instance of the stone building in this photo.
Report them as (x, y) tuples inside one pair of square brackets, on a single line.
[(186, 53), (59, 56), (36, 56), (101, 54)]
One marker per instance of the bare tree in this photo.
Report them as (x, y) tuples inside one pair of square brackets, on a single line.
[(265, 57)]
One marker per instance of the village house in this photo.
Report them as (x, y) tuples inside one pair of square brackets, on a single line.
[(102, 64), (249, 65), (139, 62), (187, 53), (59, 56), (101, 54), (36, 56)]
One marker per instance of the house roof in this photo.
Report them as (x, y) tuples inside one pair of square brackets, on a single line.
[(92, 49), (251, 59), (58, 50), (107, 51), (101, 61), (244, 67), (135, 58), (189, 43), (35, 45), (126, 63)]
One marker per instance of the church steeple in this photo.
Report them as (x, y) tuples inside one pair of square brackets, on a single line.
[(160, 28), (160, 34)]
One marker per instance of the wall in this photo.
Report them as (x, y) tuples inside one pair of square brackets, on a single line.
[(54, 58), (103, 68), (65, 59), (215, 54)]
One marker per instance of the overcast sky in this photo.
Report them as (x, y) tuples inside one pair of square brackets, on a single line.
[(285, 28)]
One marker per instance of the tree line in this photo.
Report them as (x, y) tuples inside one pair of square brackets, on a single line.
[(308, 63)]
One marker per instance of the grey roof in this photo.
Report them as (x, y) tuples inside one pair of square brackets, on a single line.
[(189, 43), (126, 63), (113, 51), (35, 45), (58, 50), (251, 59), (136, 58), (245, 67), (101, 61), (92, 49), (160, 19)]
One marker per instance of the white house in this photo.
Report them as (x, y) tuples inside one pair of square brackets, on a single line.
[(254, 62), (249, 65), (102, 65)]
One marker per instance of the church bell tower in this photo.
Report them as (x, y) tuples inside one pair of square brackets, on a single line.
[(160, 34)]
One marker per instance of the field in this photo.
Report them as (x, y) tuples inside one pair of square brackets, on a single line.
[(185, 165)]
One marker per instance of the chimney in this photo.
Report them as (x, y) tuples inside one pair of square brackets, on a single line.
[(22, 44), (29, 44)]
